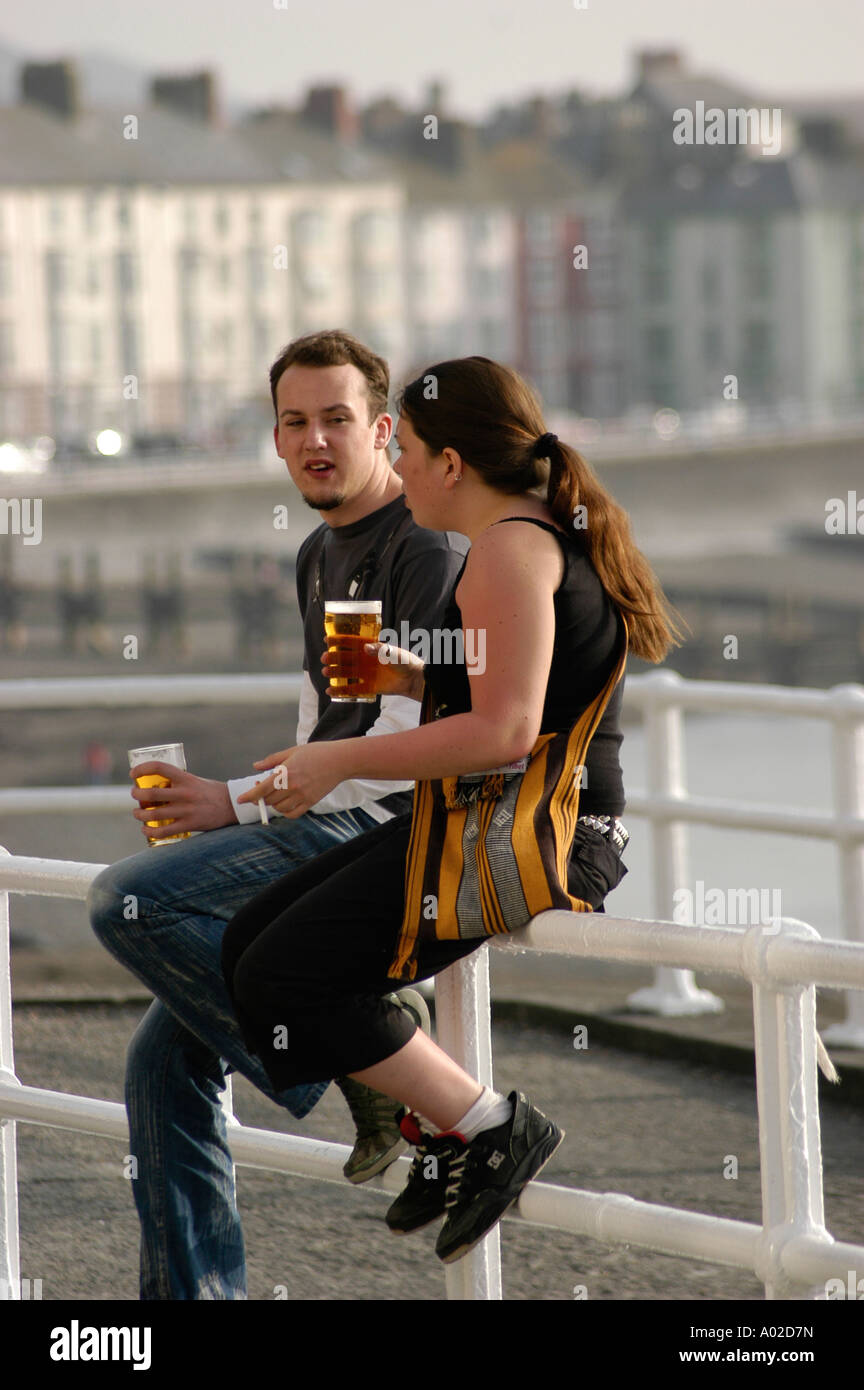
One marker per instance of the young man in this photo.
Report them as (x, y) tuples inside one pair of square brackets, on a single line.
[(164, 915)]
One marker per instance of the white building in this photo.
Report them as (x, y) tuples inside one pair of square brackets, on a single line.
[(152, 266)]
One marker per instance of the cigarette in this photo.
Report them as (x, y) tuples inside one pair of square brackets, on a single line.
[(262, 811)]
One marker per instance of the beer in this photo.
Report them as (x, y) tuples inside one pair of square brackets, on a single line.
[(349, 624), (164, 753)]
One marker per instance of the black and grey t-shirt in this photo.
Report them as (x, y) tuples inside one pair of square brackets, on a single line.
[(412, 571)]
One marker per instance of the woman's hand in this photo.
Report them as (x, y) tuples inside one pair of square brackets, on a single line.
[(301, 777), (397, 671)]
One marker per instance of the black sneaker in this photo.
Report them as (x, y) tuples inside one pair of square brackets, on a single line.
[(424, 1197), (488, 1176)]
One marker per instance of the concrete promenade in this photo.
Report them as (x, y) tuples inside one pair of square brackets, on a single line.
[(653, 1108)]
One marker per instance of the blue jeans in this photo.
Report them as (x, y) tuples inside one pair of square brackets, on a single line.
[(162, 913)]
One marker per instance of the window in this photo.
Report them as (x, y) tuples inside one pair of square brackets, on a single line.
[(90, 214), (223, 336), (757, 259), (541, 231), (758, 346), (489, 337), (128, 345), (193, 336), (191, 262), (710, 282), (372, 230), (602, 335), (374, 283), (262, 342), (221, 219), (223, 272), (315, 282), (758, 359), (657, 261), (56, 272), (311, 228), (658, 341), (481, 227), (543, 335), (256, 267), (663, 391), (422, 280), (124, 213), (7, 349), (553, 389), (601, 273), (712, 346), (656, 285), (5, 274), (68, 342), (659, 240), (126, 275), (544, 279)]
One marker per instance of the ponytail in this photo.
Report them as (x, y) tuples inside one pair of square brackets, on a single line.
[(576, 498), (494, 420)]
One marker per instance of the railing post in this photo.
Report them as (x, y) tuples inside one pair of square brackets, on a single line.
[(673, 991), (848, 747), (10, 1267), (787, 1090), (463, 1023)]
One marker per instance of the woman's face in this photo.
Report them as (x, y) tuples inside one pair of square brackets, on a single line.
[(422, 481)]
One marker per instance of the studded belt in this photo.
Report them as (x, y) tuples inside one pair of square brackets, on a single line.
[(611, 827)]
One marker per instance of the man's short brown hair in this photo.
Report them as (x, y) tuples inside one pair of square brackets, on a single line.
[(335, 348)]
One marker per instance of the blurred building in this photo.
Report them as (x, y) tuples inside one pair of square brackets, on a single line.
[(715, 262), (754, 272), (152, 263), (740, 271)]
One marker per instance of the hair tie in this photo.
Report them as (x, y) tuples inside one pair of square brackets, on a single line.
[(543, 446)]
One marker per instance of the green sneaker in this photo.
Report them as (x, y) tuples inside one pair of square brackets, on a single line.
[(379, 1140)]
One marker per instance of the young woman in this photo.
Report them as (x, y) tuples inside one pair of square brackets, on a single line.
[(551, 598)]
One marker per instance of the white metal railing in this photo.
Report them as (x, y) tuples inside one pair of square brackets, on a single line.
[(661, 697), (791, 1252)]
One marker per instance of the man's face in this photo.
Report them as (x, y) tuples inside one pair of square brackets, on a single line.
[(324, 435)]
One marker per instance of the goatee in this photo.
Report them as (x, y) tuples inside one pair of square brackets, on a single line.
[(328, 505)]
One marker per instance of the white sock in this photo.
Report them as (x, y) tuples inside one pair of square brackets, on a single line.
[(488, 1111), (425, 1124)]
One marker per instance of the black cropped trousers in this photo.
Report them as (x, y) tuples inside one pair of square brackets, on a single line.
[(306, 961)]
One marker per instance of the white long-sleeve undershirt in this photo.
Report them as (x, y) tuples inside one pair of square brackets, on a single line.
[(397, 714)]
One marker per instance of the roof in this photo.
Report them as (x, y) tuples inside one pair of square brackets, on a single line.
[(848, 109), (747, 186), (667, 92), (517, 172), (290, 149), (39, 147)]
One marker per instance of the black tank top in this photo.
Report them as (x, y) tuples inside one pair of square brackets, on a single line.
[(588, 634)]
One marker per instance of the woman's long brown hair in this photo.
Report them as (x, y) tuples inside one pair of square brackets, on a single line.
[(493, 419)]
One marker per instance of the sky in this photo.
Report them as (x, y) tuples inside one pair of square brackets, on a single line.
[(487, 51)]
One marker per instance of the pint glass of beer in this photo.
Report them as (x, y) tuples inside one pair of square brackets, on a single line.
[(164, 753), (349, 624)]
